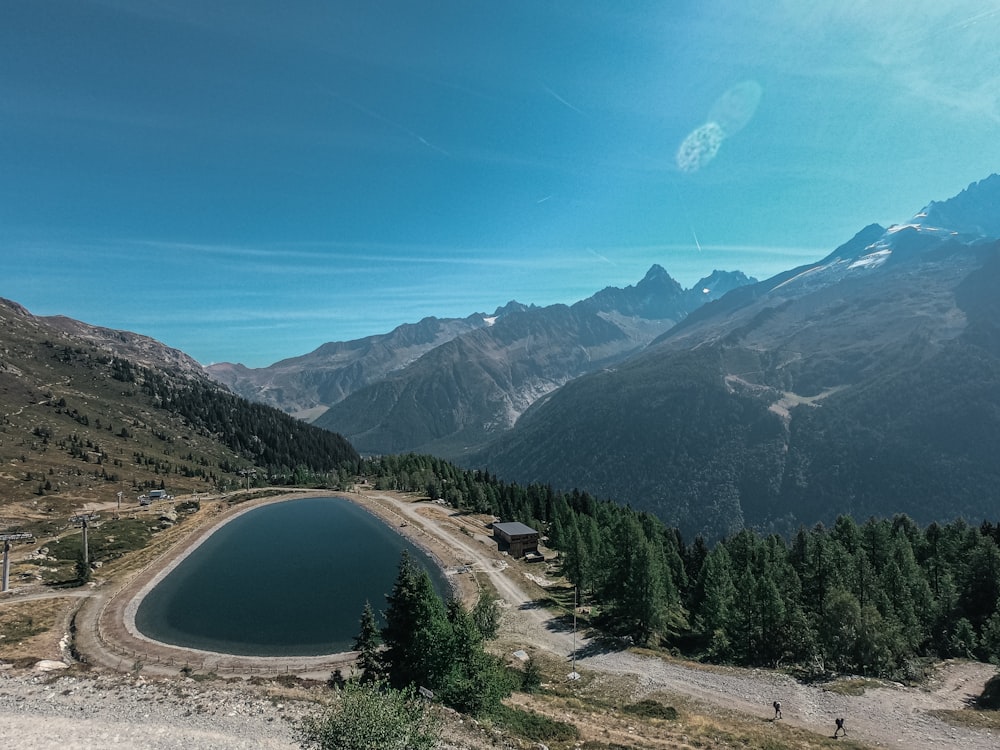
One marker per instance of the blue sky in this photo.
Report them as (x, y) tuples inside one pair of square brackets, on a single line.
[(248, 180)]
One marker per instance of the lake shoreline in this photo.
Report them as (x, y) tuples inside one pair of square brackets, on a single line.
[(117, 631)]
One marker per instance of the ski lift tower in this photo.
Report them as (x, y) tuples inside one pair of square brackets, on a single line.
[(7, 539), (84, 520)]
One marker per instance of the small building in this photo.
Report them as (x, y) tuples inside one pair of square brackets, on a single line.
[(516, 539)]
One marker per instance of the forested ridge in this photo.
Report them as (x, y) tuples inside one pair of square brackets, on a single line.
[(875, 597), (274, 441)]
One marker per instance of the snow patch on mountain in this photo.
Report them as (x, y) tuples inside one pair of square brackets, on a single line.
[(873, 259)]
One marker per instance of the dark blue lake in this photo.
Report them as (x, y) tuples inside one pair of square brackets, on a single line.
[(287, 579)]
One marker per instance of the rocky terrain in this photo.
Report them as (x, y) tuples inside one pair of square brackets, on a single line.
[(46, 711)]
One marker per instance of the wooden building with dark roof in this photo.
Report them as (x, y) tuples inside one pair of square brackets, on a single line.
[(515, 538)]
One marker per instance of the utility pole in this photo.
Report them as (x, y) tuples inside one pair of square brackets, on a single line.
[(84, 520), (574, 675), (7, 539), (248, 473)]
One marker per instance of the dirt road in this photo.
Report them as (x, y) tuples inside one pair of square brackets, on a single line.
[(890, 716), (468, 543)]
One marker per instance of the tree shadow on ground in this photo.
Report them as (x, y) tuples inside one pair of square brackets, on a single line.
[(561, 624), (534, 604), (599, 645)]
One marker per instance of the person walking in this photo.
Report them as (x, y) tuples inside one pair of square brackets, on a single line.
[(777, 710), (840, 728)]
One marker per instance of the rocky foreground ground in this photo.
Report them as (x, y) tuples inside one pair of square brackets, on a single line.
[(66, 710), (49, 711)]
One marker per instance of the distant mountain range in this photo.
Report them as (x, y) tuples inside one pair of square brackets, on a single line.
[(867, 383), (307, 386), (450, 386)]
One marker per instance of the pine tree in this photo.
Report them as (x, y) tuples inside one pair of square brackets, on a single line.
[(413, 618), (648, 593), (715, 611), (531, 678), (486, 615), (772, 619), (367, 644), (474, 681)]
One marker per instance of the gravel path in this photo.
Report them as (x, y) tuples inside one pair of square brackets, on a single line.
[(108, 712), (887, 716), (890, 716)]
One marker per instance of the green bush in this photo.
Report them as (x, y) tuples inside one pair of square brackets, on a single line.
[(371, 716), (650, 709), (534, 727)]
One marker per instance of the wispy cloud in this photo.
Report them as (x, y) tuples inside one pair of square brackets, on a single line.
[(930, 51)]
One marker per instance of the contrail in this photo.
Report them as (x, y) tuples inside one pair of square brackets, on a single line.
[(601, 257), (392, 123), (696, 243), (562, 101), (972, 20)]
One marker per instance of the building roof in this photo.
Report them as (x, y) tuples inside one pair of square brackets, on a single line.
[(514, 528)]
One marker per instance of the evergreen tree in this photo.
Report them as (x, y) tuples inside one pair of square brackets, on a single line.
[(839, 630), (440, 647), (648, 591), (367, 643), (486, 615), (412, 620), (716, 608), (531, 678), (963, 640), (989, 642), (475, 682), (772, 620)]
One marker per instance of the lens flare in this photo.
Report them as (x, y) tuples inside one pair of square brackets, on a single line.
[(736, 107), (700, 147), (729, 115)]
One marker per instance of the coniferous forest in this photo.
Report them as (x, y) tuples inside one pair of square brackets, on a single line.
[(878, 597)]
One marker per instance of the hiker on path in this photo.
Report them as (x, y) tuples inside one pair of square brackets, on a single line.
[(840, 728), (777, 710)]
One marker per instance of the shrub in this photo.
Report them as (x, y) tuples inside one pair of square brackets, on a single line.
[(650, 709), (534, 727), (371, 716)]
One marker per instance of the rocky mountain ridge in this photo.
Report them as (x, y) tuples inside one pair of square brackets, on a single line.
[(307, 385), (866, 383), (448, 385), (461, 395)]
